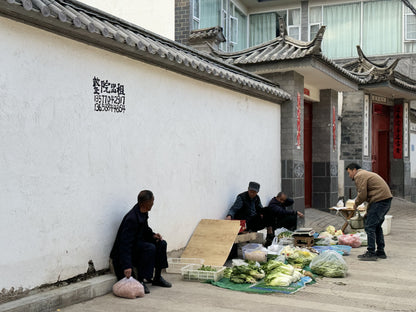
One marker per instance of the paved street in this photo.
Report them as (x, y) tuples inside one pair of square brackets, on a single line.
[(385, 285)]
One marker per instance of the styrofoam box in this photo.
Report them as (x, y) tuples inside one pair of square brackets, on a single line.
[(191, 273), (176, 264), (386, 226)]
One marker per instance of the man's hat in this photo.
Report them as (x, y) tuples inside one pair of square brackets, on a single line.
[(254, 186)]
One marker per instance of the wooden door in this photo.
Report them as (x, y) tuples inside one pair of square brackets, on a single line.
[(307, 152), (380, 141)]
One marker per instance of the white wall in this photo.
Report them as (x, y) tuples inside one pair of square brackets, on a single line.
[(154, 15), (69, 173)]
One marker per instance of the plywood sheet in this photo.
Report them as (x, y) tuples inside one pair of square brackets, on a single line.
[(212, 241)]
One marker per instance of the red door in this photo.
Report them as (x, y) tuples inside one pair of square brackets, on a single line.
[(380, 141), (307, 152)]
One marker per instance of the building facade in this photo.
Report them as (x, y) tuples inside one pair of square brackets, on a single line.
[(385, 86)]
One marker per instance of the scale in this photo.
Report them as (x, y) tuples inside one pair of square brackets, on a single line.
[(303, 237)]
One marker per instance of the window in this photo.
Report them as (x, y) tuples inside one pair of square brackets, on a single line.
[(263, 27), (293, 23), (343, 29), (382, 27), (233, 30), (209, 11), (409, 29), (195, 15), (315, 21), (238, 29)]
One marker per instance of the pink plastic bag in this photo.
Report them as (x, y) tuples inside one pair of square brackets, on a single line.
[(128, 288), (352, 240)]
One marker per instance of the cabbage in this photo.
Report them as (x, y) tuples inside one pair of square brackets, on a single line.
[(330, 229)]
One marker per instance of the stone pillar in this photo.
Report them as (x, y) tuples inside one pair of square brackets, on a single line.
[(400, 181), (352, 128), (324, 151), (292, 158), (304, 20)]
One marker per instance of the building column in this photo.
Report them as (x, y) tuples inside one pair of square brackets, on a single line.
[(354, 119), (183, 20), (400, 180), (291, 154), (324, 151)]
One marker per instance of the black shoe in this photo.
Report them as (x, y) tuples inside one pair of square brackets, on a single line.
[(381, 255), (269, 240), (146, 290), (368, 256), (161, 282)]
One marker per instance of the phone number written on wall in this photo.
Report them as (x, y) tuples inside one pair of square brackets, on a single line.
[(108, 96)]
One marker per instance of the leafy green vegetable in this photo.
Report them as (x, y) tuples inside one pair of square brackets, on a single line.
[(227, 272), (329, 264), (207, 268)]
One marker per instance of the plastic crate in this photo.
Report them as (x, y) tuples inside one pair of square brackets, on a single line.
[(191, 273), (176, 264)]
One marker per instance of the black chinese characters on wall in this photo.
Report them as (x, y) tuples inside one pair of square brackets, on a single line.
[(108, 96)]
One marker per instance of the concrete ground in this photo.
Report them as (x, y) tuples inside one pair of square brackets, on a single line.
[(384, 285)]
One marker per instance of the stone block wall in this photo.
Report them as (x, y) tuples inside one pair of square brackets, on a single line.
[(293, 169), (182, 20), (324, 152)]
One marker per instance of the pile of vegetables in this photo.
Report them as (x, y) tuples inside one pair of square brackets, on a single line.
[(329, 264), (328, 237), (284, 234), (280, 274), (352, 240), (298, 257), (207, 268), (249, 273)]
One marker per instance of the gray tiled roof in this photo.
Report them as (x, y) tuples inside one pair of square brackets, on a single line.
[(374, 73), (284, 48), (82, 22), (204, 33)]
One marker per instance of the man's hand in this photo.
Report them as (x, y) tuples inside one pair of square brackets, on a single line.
[(300, 214), (228, 218), (127, 273), (158, 237)]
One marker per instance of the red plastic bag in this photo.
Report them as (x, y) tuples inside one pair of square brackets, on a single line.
[(128, 288), (352, 240)]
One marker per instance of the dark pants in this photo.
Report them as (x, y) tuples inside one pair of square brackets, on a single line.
[(146, 257), (289, 222), (374, 219), (255, 223)]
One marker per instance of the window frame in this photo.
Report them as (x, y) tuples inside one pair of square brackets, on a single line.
[(289, 27), (196, 19), (314, 23), (406, 39), (233, 29)]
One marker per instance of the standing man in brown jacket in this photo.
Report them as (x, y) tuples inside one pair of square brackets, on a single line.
[(373, 189)]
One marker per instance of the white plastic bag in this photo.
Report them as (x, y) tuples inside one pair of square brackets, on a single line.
[(363, 238), (275, 248), (128, 288), (329, 264)]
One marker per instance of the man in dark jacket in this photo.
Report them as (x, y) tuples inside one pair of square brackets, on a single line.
[(136, 245), (247, 206), (280, 216)]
